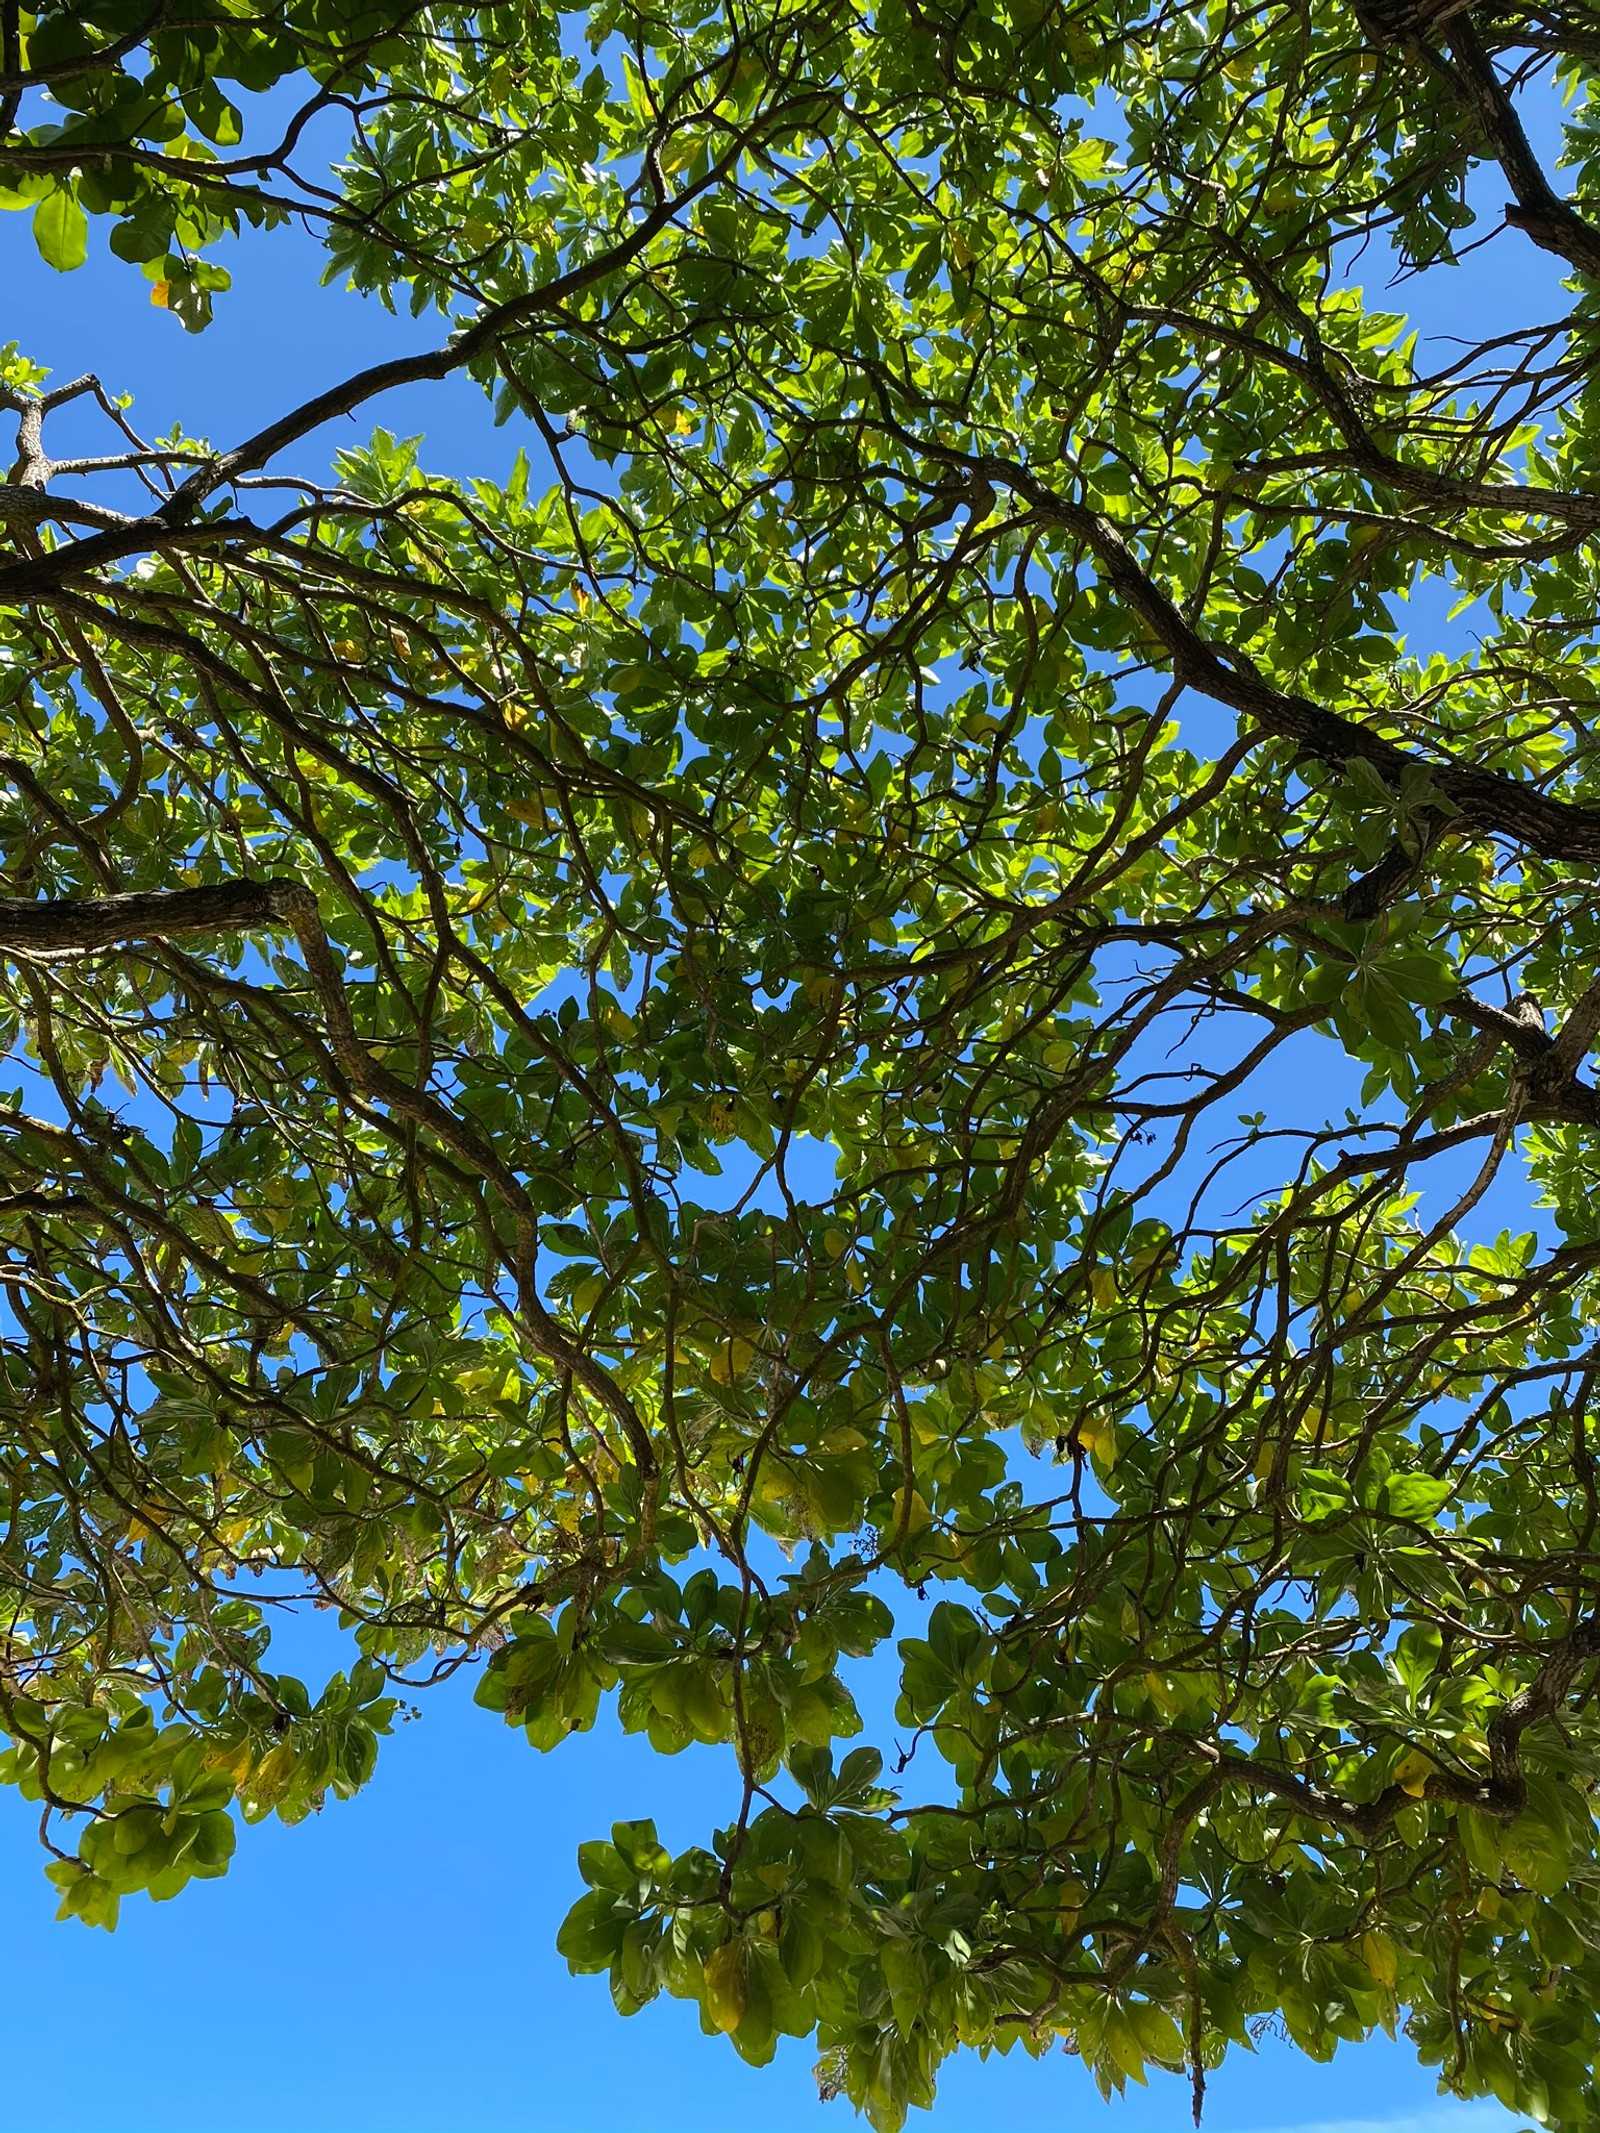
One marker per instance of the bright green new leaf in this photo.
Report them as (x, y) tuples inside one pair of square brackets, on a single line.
[(61, 229)]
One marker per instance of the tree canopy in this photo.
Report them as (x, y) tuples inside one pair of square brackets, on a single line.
[(916, 996)]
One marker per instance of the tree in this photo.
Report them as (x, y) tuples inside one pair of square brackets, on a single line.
[(885, 980)]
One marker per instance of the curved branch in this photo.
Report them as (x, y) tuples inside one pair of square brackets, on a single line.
[(1539, 210)]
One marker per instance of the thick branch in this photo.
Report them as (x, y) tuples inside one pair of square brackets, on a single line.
[(1540, 212), (1541, 1698), (1551, 1062), (43, 931), (1485, 800)]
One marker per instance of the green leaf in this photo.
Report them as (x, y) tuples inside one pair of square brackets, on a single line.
[(61, 230)]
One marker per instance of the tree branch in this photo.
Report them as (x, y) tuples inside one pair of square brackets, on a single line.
[(45, 930), (1539, 211)]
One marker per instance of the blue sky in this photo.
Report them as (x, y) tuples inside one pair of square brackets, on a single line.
[(389, 1965)]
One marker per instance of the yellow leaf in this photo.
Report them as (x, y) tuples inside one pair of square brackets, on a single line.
[(1412, 1773), (1103, 1287), (235, 1761), (1381, 1957), (273, 1774), (727, 1988), (1161, 1694), (161, 295), (730, 1360), (1098, 1437), (588, 1293), (490, 1378), (918, 1518)]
